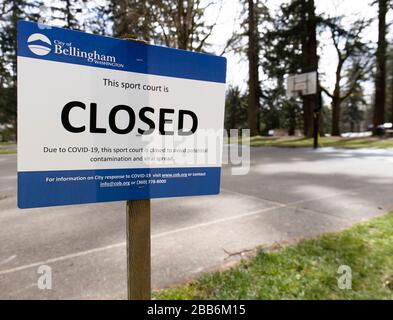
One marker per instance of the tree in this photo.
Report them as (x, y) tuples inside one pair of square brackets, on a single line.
[(183, 24), (390, 74), (178, 24), (133, 19), (4, 72), (96, 18), (296, 48), (353, 112), (281, 48), (391, 97), (380, 76), (253, 65), (278, 112), (246, 41), (235, 109), (350, 49), (310, 61), (12, 11), (69, 11)]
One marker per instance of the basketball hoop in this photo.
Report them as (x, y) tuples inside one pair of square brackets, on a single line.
[(301, 85)]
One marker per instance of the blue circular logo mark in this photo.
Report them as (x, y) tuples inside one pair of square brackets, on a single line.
[(39, 44)]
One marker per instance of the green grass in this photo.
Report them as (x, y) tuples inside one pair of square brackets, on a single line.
[(307, 270), (7, 151), (5, 148), (348, 143)]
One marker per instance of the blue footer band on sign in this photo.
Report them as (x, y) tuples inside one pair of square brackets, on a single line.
[(56, 188)]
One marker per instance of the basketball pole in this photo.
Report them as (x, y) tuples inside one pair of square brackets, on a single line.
[(301, 88), (317, 110), (316, 129)]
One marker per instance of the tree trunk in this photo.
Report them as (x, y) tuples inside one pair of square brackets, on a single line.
[(336, 106), (181, 26), (308, 114), (292, 122), (253, 98), (309, 48), (233, 113), (380, 80), (391, 99), (322, 129), (68, 15), (15, 17), (336, 102)]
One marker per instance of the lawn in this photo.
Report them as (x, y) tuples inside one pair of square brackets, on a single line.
[(348, 143), (7, 151), (5, 148), (307, 270)]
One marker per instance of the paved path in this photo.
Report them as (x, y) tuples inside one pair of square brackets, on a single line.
[(289, 194)]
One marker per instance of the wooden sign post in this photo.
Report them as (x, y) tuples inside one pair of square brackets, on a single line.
[(138, 240), (138, 250)]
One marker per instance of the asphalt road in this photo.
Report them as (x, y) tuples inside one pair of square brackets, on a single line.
[(289, 194)]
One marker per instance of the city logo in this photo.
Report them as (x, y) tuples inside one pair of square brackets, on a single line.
[(39, 44), (69, 50)]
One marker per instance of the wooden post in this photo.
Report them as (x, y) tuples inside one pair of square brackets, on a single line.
[(138, 244), (138, 250)]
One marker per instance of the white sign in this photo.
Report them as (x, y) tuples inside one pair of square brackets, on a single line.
[(103, 119)]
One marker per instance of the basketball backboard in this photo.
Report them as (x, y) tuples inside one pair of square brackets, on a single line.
[(302, 84)]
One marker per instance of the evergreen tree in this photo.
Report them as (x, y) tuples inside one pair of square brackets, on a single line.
[(353, 110), (380, 76), (281, 55), (12, 11), (295, 39), (235, 109)]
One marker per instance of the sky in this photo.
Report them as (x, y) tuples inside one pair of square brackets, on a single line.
[(237, 66)]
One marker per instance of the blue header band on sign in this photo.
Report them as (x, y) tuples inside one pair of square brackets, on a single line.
[(62, 45)]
